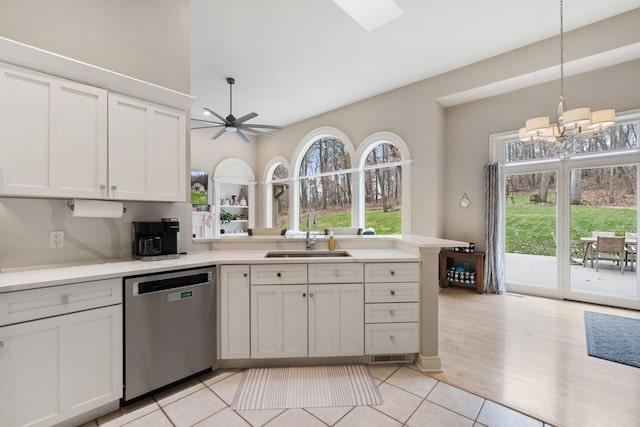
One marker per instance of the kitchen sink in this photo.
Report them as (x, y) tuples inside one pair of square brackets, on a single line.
[(307, 254)]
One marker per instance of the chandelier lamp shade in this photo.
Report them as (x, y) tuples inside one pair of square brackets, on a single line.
[(573, 126)]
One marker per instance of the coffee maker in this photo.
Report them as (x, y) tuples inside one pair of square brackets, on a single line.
[(155, 240)]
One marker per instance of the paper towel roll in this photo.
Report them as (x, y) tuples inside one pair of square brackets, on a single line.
[(97, 209)]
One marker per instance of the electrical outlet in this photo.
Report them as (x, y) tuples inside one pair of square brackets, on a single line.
[(56, 239)]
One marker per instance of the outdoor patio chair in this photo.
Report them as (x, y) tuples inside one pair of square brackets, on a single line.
[(591, 247), (631, 248), (610, 249)]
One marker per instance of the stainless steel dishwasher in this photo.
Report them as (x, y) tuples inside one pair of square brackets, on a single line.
[(169, 328)]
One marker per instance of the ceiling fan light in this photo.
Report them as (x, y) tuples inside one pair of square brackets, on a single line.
[(206, 113), (537, 125), (577, 117), (231, 129), (602, 118)]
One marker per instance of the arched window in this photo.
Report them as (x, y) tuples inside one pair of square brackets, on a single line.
[(323, 180), (280, 196), (276, 193), (324, 186), (368, 196), (384, 176)]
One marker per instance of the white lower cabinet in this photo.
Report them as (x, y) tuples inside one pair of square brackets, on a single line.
[(293, 318), (278, 321), (57, 368), (336, 320), (235, 311), (392, 308), (60, 352)]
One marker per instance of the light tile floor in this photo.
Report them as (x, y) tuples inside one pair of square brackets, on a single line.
[(409, 399)]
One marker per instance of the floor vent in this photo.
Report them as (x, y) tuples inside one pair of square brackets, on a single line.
[(391, 358)]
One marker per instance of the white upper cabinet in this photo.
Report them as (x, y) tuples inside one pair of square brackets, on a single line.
[(147, 151), (53, 136), (59, 138)]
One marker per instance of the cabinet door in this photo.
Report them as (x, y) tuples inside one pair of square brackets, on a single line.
[(93, 359), (336, 320), (235, 312), (53, 136), (147, 149), (278, 321), (31, 369), (54, 369)]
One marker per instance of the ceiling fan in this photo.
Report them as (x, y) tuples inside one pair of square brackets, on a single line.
[(233, 124)]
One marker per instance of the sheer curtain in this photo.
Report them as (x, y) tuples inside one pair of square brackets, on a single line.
[(494, 257)]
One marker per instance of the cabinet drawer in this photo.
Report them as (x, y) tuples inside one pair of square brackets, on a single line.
[(391, 292), (392, 312), (336, 273), (392, 272), (390, 338), (278, 274), (34, 304)]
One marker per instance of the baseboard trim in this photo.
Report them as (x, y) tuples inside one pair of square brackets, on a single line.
[(429, 363)]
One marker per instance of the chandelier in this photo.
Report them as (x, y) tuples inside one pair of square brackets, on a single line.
[(573, 126)]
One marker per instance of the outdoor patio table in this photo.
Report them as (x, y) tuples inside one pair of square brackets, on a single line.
[(587, 244)]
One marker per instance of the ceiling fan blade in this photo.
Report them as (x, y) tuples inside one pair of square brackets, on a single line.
[(206, 127), (242, 136), (217, 115), (246, 117), (217, 135), (265, 126), (247, 129), (206, 121)]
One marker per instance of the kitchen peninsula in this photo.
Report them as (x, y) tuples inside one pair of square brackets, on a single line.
[(41, 299)]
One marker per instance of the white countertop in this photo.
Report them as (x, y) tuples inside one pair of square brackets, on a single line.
[(51, 276), (38, 277)]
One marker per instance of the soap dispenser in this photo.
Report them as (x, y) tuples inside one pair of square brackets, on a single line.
[(332, 241)]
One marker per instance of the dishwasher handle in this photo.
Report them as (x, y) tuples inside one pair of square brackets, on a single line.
[(143, 287)]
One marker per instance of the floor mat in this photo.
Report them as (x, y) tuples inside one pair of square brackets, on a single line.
[(613, 338), (306, 387)]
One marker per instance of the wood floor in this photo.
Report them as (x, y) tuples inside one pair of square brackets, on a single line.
[(530, 354)]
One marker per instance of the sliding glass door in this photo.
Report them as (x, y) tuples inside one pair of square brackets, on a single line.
[(603, 218), (530, 213), (570, 226)]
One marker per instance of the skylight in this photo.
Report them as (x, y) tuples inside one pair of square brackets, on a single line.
[(371, 14)]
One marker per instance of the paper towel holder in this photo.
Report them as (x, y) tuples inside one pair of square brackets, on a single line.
[(71, 205)]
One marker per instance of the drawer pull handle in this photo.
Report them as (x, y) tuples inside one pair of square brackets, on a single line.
[(391, 313), (244, 274), (311, 295), (393, 292), (114, 187), (65, 299), (392, 338), (304, 295), (393, 273), (279, 274)]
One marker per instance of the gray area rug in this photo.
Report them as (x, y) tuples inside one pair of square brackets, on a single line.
[(306, 387), (613, 338)]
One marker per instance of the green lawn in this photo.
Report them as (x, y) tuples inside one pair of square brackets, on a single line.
[(529, 225), (383, 222)]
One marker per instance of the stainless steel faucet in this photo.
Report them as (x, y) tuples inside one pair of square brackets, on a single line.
[(311, 240)]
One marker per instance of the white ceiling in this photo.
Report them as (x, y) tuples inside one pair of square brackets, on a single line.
[(295, 59)]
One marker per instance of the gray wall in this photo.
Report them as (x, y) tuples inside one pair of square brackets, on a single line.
[(146, 39)]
